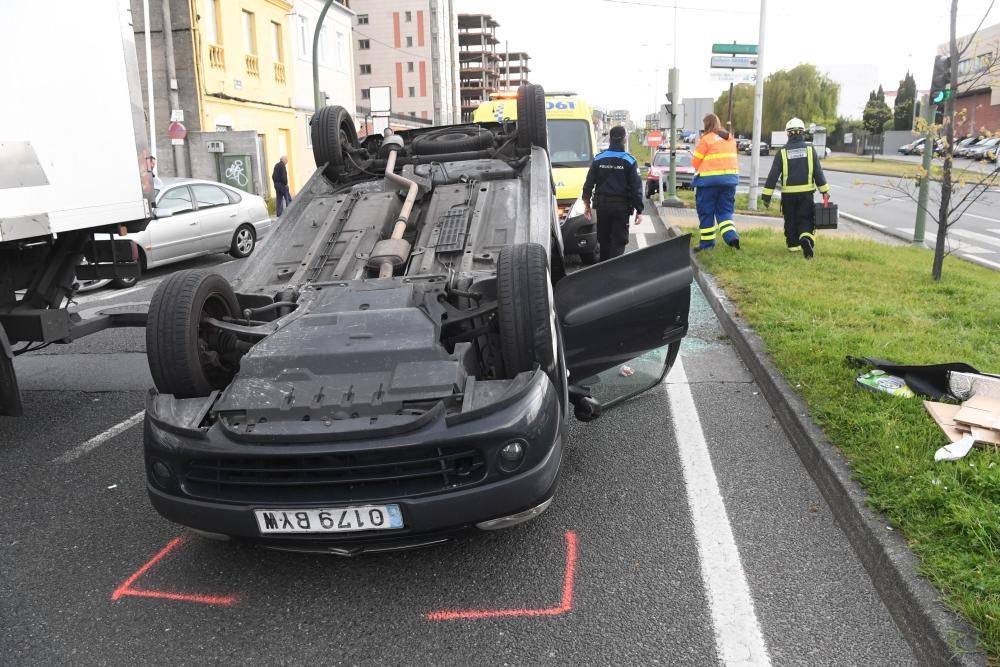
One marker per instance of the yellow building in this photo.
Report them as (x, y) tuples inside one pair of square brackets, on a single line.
[(245, 77)]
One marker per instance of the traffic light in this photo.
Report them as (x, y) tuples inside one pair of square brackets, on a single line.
[(942, 77)]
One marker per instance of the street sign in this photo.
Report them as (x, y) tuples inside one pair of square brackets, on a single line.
[(734, 76), (734, 62), (654, 139), (177, 133), (380, 99), (746, 49)]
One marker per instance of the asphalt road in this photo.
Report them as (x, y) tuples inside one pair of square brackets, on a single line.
[(685, 532), (889, 205)]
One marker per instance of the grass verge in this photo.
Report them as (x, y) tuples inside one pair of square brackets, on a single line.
[(865, 299), (880, 167)]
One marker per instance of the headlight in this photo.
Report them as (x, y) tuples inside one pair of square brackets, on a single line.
[(577, 209)]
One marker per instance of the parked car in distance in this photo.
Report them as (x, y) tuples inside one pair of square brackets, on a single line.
[(979, 151), (911, 148), (967, 148), (195, 217), (748, 148), (661, 165)]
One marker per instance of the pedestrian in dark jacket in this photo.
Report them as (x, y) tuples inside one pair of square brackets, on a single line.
[(613, 182), (280, 178)]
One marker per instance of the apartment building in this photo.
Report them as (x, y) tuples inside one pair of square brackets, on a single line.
[(977, 95), (410, 46)]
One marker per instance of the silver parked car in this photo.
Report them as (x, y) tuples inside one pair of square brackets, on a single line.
[(194, 217)]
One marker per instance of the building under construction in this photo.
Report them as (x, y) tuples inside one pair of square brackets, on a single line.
[(483, 67)]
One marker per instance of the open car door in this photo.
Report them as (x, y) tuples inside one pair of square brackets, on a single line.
[(622, 322)]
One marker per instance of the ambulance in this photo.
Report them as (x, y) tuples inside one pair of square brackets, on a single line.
[(572, 147)]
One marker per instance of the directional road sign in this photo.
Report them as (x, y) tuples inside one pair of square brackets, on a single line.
[(745, 49), (734, 62), (734, 76)]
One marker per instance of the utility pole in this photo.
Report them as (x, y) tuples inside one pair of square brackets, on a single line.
[(929, 110), (318, 101), (674, 98), (180, 166), (758, 111)]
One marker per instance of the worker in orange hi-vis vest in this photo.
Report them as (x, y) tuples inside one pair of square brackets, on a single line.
[(718, 174)]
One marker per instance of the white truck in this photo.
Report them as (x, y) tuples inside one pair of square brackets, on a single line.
[(73, 175)]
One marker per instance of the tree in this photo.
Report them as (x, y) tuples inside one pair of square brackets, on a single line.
[(877, 113), (955, 195), (903, 113), (742, 108), (801, 92)]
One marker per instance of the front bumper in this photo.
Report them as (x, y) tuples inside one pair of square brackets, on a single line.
[(579, 235), (533, 417)]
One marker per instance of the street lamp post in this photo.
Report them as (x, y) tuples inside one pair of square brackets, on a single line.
[(317, 100)]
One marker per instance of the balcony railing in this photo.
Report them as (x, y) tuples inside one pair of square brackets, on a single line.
[(279, 72), (216, 56), (253, 66)]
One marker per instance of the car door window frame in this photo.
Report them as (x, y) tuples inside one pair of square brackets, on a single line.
[(197, 202), (191, 200)]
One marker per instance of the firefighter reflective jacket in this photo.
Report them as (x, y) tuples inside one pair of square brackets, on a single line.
[(798, 166), (715, 160)]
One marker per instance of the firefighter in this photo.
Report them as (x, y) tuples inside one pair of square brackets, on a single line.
[(801, 174), (613, 181), (718, 174)]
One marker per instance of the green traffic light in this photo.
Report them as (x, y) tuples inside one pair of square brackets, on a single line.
[(939, 97)]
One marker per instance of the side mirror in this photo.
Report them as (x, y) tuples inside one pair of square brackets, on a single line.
[(163, 212)]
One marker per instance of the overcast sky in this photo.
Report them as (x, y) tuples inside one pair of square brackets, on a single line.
[(609, 50)]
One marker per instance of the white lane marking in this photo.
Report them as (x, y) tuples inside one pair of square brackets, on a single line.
[(100, 439), (994, 231), (116, 293), (983, 238), (738, 636), (645, 226), (974, 249), (858, 218), (640, 240), (980, 217)]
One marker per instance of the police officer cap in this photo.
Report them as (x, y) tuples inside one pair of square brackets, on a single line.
[(617, 132)]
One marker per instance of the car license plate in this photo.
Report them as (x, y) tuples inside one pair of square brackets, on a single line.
[(332, 520)]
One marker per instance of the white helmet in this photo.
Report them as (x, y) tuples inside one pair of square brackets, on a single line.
[(795, 124)]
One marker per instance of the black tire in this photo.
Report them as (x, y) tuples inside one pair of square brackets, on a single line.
[(244, 241), (333, 133), (453, 140), (179, 359), (588, 258), (125, 283), (525, 309), (10, 395), (531, 127)]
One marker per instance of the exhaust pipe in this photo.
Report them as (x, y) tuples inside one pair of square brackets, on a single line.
[(394, 251)]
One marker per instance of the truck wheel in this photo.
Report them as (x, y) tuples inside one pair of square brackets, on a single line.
[(10, 395), (184, 354), (525, 309), (244, 241), (452, 140), (531, 127), (333, 133)]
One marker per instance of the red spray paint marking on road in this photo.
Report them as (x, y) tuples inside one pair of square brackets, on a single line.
[(565, 605), (126, 587)]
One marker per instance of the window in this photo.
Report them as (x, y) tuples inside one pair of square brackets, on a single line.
[(408, 16), (212, 22), (208, 196), (305, 44), (309, 138), (413, 91), (366, 93), (341, 52), (569, 143), (413, 114), (362, 19), (409, 67), (177, 200), (409, 41), (366, 69), (249, 33), (364, 44), (278, 46)]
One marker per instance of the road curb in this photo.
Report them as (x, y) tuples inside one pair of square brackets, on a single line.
[(935, 634)]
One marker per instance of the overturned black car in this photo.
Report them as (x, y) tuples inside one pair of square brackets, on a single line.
[(398, 364)]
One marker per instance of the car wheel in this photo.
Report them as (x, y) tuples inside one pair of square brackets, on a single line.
[(244, 241), (588, 258), (333, 134), (525, 309), (453, 140), (124, 283), (532, 129), (188, 358)]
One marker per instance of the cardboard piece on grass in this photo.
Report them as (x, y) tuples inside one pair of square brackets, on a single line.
[(966, 385), (982, 411), (985, 436), (944, 415)]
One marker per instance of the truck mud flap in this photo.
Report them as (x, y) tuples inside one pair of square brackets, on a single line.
[(10, 395)]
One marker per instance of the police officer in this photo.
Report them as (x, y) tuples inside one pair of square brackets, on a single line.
[(613, 180), (798, 166)]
